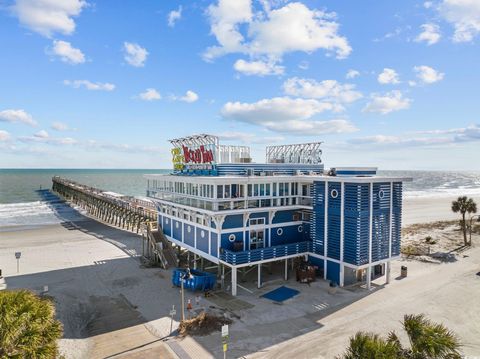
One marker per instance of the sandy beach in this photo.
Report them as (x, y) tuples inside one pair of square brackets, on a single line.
[(430, 209), (113, 306)]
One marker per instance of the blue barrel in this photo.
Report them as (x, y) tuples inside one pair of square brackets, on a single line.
[(197, 280)]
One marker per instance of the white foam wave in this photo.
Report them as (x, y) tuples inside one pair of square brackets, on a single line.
[(38, 213)]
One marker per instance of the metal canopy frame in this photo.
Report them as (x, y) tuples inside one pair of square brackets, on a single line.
[(307, 153)]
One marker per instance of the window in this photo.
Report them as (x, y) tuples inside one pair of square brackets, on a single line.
[(249, 190), (279, 231), (334, 193), (255, 190), (232, 238), (219, 191), (257, 221)]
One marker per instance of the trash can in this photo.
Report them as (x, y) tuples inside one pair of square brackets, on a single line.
[(332, 288), (403, 272)]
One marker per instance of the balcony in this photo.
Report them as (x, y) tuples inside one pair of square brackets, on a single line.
[(255, 255)]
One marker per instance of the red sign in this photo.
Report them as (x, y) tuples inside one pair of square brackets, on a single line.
[(199, 155)]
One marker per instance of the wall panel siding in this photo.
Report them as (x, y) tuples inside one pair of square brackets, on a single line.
[(333, 243), (317, 230)]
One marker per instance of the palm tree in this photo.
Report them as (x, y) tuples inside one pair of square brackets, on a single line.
[(428, 340), (28, 328), (464, 205)]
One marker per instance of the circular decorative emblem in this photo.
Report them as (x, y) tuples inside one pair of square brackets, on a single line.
[(232, 238), (202, 234), (300, 229), (381, 194), (279, 231), (189, 229)]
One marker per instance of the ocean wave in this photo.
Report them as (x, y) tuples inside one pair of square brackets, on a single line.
[(444, 192), (36, 213)]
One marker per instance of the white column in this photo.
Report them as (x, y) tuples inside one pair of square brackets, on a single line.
[(370, 239), (194, 261), (388, 269), (369, 277), (286, 269), (234, 281), (325, 234), (388, 272), (342, 232), (259, 276)]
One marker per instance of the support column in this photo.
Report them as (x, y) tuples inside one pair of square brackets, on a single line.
[(388, 272), (325, 232), (286, 269), (194, 261), (234, 281), (369, 277), (342, 233), (259, 276)]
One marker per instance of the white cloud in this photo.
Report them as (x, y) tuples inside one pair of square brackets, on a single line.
[(260, 68), (464, 15), (351, 74), (427, 4), (150, 94), (248, 137), (60, 126), (4, 136), (48, 16), (304, 65), (388, 76), (286, 115), (273, 32), (428, 75), (135, 55), (93, 86), (67, 53), (389, 141), (43, 137), (15, 116), (174, 16), (430, 34), (189, 97), (327, 89), (389, 102), (42, 134), (430, 138)]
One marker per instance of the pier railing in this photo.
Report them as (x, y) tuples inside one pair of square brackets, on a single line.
[(260, 254)]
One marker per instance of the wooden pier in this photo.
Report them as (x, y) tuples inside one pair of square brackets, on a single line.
[(125, 212)]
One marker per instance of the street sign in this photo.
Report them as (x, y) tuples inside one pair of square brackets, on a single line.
[(225, 331), (173, 312), (225, 347), (18, 255)]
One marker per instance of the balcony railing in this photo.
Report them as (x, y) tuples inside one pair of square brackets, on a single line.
[(255, 255)]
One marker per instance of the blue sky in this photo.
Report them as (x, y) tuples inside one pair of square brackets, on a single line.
[(105, 84)]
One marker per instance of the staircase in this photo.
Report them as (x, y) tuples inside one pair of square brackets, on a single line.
[(159, 248)]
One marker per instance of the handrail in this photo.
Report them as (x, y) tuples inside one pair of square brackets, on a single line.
[(260, 254)]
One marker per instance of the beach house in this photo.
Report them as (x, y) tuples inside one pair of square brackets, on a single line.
[(219, 205)]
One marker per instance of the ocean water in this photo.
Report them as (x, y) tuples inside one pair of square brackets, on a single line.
[(22, 203)]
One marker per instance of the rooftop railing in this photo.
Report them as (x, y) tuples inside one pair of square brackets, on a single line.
[(260, 254)]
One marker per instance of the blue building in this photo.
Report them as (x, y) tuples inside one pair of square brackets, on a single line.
[(220, 206)]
